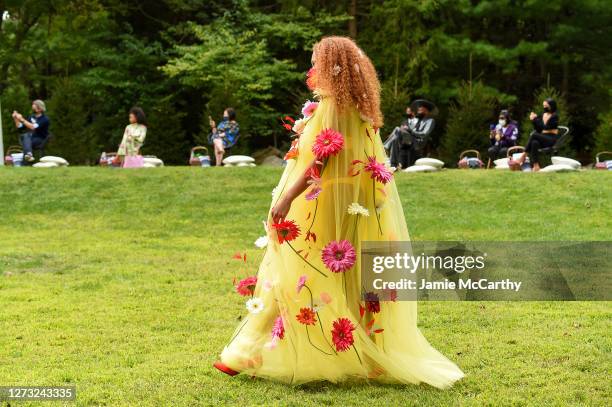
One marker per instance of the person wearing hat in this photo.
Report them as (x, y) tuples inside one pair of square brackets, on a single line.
[(407, 143), (35, 127)]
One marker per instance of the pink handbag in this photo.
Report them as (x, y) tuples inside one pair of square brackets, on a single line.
[(133, 161)]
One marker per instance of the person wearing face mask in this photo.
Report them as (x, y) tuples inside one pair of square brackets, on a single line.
[(35, 127), (502, 136), (393, 142), (414, 143), (545, 133), (225, 134)]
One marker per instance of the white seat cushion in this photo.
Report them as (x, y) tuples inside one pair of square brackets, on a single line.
[(48, 164), (502, 167), (432, 162), (53, 159), (421, 168), (235, 159), (156, 162), (149, 165), (558, 168), (243, 164), (501, 162), (564, 160)]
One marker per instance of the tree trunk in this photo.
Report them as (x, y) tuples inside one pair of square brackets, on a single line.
[(353, 21)]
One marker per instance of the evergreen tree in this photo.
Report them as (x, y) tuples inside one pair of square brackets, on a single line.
[(468, 121)]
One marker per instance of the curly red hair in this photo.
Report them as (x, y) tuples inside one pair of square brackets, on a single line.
[(344, 71)]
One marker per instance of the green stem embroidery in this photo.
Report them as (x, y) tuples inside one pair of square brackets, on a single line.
[(313, 345), (357, 353), (375, 211), (307, 262), (239, 329)]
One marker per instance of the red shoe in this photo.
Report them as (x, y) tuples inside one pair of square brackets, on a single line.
[(225, 369)]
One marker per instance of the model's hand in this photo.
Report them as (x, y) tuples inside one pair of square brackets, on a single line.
[(498, 137), (280, 210)]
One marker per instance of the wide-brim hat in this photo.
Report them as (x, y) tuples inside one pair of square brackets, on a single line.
[(433, 109)]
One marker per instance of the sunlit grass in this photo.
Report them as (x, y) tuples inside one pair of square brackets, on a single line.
[(120, 282)]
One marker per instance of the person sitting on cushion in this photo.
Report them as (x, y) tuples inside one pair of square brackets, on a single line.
[(225, 134), (503, 136), (414, 144), (133, 136), (545, 133), (36, 128), (394, 141)]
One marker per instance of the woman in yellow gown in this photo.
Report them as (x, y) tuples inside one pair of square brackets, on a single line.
[(307, 318)]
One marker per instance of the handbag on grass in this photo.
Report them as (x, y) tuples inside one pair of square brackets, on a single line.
[(133, 161)]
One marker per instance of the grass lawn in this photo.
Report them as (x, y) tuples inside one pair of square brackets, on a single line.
[(120, 282)]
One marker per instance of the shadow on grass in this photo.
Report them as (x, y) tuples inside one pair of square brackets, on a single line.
[(321, 387)]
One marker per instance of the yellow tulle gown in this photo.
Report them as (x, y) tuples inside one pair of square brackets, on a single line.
[(270, 342)]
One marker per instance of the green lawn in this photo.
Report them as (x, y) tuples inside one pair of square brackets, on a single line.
[(120, 282)]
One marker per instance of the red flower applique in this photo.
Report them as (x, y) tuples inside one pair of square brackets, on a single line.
[(378, 171), (246, 286), (329, 142), (342, 334), (293, 150), (372, 302), (286, 230), (339, 256), (310, 79), (306, 316), (278, 330)]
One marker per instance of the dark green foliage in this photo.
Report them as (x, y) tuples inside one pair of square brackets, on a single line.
[(183, 60), (603, 136), (468, 121)]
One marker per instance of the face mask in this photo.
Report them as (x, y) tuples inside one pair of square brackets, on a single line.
[(226, 118), (502, 122), (420, 115), (546, 109)]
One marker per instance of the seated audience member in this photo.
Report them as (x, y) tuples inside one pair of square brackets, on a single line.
[(413, 146), (544, 134), (502, 136), (225, 134), (393, 142), (134, 135), (35, 128)]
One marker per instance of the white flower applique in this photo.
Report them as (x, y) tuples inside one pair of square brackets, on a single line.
[(336, 71)]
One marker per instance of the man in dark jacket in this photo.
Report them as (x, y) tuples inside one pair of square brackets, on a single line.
[(35, 128), (414, 143)]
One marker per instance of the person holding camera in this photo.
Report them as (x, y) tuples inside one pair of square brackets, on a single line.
[(35, 128)]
